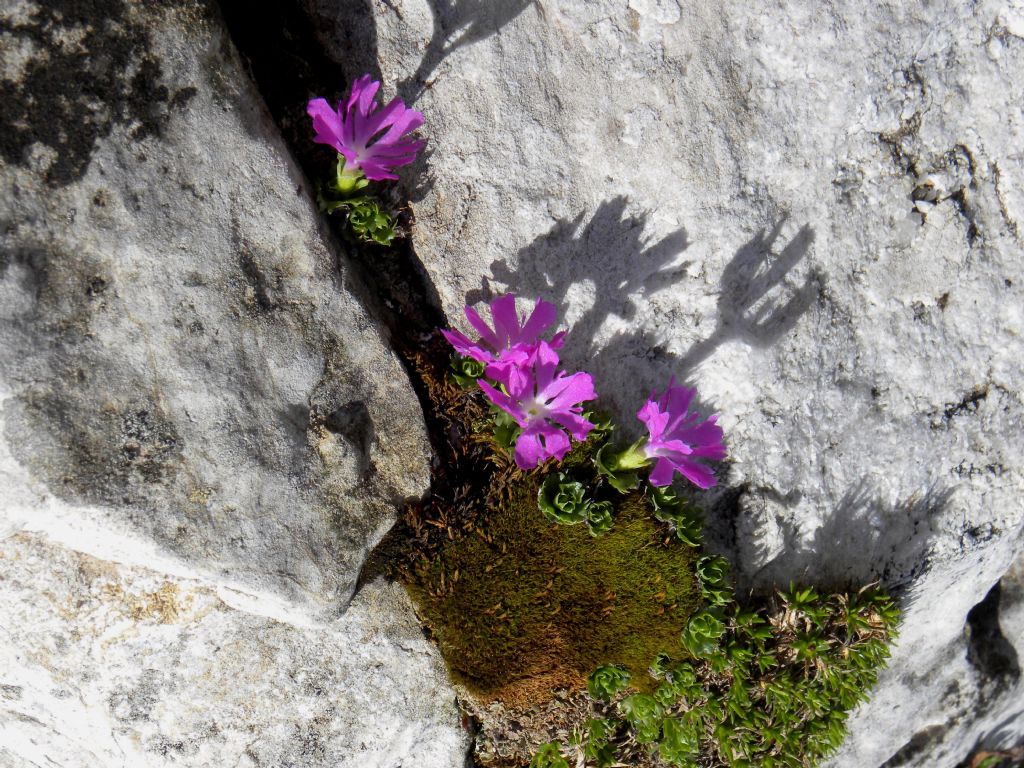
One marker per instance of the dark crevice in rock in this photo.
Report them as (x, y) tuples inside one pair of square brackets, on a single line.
[(917, 745), (988, 650), (288, 64)]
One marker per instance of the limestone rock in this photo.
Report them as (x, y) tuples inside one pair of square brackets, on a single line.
[(811, 213), (105, 664), (202, 428), (182, 354)]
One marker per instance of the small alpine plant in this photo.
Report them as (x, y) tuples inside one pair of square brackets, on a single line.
[(545, 403), (758, 681), (676, 437), (371, 143), (538, 411), (537, 408), (510, 341)]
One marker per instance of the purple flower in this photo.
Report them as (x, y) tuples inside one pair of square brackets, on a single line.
[(371, 139), (505, 348), (677, 437), (544, 402)]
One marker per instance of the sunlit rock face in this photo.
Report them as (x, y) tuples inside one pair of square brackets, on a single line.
[(113, 665), (814, 214), (203, 429), (184, 352)]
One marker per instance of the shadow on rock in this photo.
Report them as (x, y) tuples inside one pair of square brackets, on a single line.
[(610, 258), (755, 305), (609, 253), (863, 540), (457, 23)]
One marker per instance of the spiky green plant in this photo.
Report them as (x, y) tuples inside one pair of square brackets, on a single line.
[(768, 684)]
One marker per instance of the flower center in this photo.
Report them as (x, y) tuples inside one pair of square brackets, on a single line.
[(535, 408)]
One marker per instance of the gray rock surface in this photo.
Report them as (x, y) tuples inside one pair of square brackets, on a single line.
[(112, 665), (814, 213), (182, 352), (202, 428)]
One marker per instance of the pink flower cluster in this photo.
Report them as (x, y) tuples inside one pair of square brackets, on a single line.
[(544, 401), (677, 436), (547, 403)]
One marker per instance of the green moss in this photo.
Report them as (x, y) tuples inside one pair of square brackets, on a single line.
[(523, 599)]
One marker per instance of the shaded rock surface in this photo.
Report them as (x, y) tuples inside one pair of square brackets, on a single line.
[(813, 214), (202, 427)]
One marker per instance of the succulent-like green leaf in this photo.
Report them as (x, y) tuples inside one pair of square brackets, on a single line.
[(643, 712), (686, 520), (549, 756), (606, 681), (702, 634), (599, 518), (680, 743), (597, 747), (563, 500), (466, 370), (622, 479)]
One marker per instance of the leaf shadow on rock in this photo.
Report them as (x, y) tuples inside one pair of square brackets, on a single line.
[(610, 257), (748, 308), (760, 300), (457, 23), (610, 252), (863, 540)]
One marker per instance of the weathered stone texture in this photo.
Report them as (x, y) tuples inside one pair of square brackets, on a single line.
[(181, 348), (202, 428), (105, 664), (812, 212)]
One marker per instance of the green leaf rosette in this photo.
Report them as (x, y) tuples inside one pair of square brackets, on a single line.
[(562, 500), (702, 634), (599, 518), (549, 756), (606, 681)]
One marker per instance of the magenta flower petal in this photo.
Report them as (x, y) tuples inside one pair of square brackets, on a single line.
[(545, 402), (371, 139), (698, 474), (569, 390), (662, 473), (506, 403), (677, 436), (511, 338), (538, 443), (487, 336), (467, 348), (577, 426), (506, 321), (326, 123), (543, 317), (363, 90)]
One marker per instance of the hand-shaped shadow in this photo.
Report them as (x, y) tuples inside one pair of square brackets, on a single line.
[(755, 305), (610, 252)]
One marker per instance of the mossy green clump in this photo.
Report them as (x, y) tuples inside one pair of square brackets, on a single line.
[(523, 605)]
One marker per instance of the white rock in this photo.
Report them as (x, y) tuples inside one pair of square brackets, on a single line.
[(182, 356), (202, 428), (110, 665), (729, 197)]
